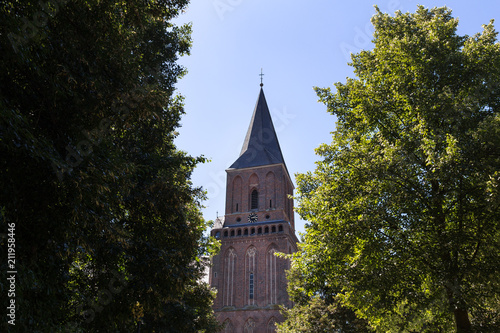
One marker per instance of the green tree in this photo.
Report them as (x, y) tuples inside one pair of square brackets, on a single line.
[(317, 316), (318, 309), (404, 204), (108, 231)]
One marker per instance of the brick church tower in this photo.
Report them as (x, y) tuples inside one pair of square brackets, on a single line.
[(258, 222)]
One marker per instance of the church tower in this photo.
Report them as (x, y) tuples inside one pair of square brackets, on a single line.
[(258, 222)]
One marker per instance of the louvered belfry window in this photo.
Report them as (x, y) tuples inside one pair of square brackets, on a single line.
[(254, 204)]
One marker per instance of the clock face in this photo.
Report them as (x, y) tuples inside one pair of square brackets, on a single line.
[(252, 218)]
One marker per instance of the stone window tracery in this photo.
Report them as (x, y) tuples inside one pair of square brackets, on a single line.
[(229, 277), (249, 326), (251, 265)]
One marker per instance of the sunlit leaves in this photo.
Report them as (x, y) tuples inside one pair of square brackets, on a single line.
[(403, 206)]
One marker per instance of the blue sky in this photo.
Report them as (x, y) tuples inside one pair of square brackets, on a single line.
[(298, 45)]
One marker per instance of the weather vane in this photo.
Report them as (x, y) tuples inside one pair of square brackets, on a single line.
[(261, 77)]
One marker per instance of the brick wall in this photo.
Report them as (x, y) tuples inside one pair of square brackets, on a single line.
[(250, 280)]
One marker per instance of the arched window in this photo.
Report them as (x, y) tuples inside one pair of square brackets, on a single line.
[(254, 202), (228, 326), (280, 228), (249, 326), (239, 232), (252, 231), (236, 194), (273, 229), (271, 190), (251, 270), (259, 231), (229, 277), (245, 232), (271, 325), (232, 233), (266, 230), (225, 233), (271, 276)]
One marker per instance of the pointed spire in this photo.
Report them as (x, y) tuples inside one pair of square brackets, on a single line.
[(261, 146)]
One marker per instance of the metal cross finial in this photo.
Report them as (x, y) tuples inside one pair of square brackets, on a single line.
[(261, 77)]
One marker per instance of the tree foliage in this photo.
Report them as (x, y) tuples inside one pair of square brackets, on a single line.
[(318, 311), (317, 316), (404, 204), (108, 231)]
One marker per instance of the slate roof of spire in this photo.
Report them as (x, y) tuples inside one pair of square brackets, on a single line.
[(261, 146)]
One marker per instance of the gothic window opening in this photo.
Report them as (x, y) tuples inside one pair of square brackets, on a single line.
[(254, 203), (272, 276), (266, 230), (229, 277), (271, 189), (273, 229), (225, 233), (236, 194), (271, 325), (245, 232), (239, 232), (249, 326), (228, 326), (280, 228), (252, 231), (251, 266), (259, 231)]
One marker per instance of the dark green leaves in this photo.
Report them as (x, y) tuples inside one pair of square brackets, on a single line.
[(110, 234)]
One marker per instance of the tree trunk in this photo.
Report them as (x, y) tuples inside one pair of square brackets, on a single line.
[(462, 321)]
